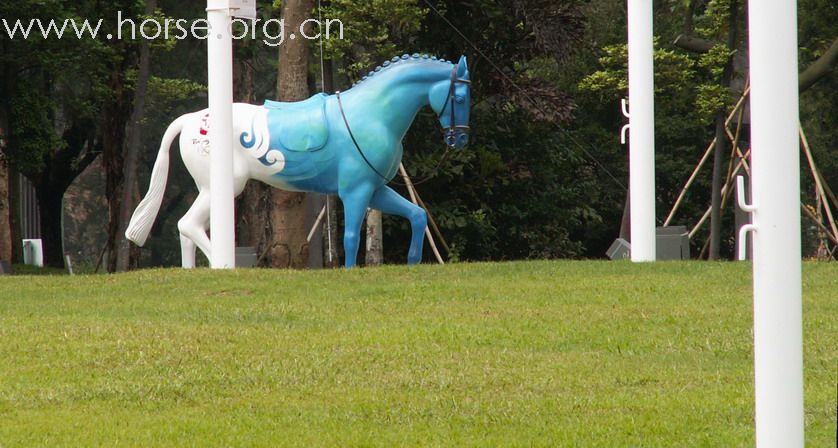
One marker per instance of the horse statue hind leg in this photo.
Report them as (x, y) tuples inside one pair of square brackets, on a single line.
[(193, 226), (194, 150), (193, 230)]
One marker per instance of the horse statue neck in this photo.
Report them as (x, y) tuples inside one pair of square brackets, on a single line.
[(398, 90)]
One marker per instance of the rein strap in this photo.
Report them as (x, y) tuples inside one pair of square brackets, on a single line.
[(355, 142)]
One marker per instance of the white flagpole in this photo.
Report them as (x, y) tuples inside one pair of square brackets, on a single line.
[(641, 131), (220, 80), (778, 320)]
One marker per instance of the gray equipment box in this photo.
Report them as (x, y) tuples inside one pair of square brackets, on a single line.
[(672, 243), (620, 250), (245, 257)]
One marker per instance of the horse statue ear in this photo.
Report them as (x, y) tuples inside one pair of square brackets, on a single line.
[(462, 68)]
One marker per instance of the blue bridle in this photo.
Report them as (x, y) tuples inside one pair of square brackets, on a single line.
[(454, 131)]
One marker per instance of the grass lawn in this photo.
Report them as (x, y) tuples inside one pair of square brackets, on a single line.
[(599, 354)]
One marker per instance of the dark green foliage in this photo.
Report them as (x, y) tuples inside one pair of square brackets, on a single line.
[(525, 186), (519, 190), (818, 27), (48, 83), (31, 129), (373, 31)]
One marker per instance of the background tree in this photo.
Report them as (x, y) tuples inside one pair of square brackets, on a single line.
[(275, 221), (127, 254), (5, 203), (521, 188), (544, 175), (55, 91)]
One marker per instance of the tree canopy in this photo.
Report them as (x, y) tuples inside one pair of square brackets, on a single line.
[(544, 174)]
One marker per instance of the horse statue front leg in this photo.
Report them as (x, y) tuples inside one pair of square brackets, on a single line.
[(355, 203), (388, 201)]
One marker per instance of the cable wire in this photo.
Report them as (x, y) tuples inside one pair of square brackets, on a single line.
[(322, 69), (526, 95), (323, 89)]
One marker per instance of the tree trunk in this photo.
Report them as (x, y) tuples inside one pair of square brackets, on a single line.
[(689, 22), (127, 255), (5, 208), (5, 194), (116, 115), (314, 204), (375, 245), (50, 207), (331, 242), (60, 170), (716, 197), (720, 149), (820, 68), (8, 214), (250, 205), (275, 220), (289, 216), (243, 73)]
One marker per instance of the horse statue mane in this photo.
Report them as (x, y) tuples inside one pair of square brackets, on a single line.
[(398, 61)]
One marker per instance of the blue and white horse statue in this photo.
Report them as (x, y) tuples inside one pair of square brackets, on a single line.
[(349, 144)]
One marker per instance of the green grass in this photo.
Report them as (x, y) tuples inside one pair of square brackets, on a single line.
[(23, 269), (599, 354)]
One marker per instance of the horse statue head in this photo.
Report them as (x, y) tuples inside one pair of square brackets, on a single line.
[(451, 101), (404, 84)]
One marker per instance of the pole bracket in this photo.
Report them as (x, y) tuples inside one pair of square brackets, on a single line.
[(624, 130), (741, 201)]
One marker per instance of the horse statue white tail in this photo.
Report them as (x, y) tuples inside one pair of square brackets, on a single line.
[(145, 214)]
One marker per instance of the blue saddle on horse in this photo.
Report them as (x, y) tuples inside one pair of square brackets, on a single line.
[(299, 126)]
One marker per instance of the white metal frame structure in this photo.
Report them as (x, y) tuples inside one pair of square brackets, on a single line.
[(777, 285), (775, 189), (641, 130), (220, 86)]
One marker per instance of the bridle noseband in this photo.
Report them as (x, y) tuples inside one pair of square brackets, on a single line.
[(454, 130)]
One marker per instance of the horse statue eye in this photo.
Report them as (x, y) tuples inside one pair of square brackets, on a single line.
[(460, 99)]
